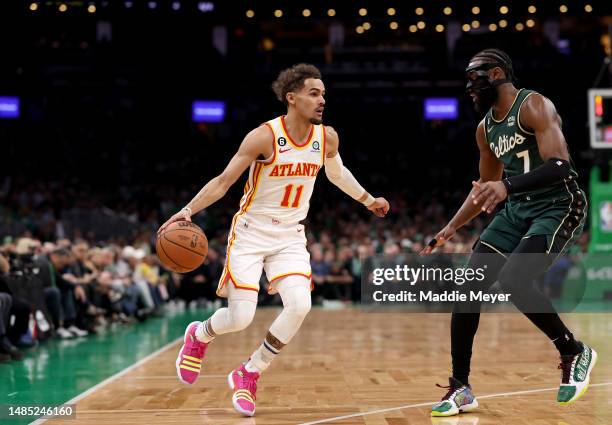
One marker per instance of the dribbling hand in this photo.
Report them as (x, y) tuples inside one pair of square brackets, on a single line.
[(183, 214)]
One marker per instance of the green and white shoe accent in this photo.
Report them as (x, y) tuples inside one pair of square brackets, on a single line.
[(459, 398), (575, 375)]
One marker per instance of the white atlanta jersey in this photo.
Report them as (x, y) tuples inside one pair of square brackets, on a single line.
[(281, 187)]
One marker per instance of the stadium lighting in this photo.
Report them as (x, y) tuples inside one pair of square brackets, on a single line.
[(519, 27), (439, 28), (503, 10), (152, 5), (393, 25), (421, 25), (391, 11), (563, 8), (331, 12), (359, 29), (176, 5), (448, 10), (63, 7), (363, 11), (530, 23), (492, 27), (250, 13), (466, 27), (366, 26), (532, 9), (419, 11), (278, 13), (206, 6), (475, 10), (91, 8), (475, 24), (503, 23), (34, 7), (588, 8), (306, 13), (412, 28)]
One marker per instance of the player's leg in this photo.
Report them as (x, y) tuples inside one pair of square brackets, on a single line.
[(295, 293), (288, 271), (464, 324), (240, 284), (517, 278)]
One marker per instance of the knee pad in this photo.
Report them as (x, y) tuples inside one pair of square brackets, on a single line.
[(240, 314), (295, 293)]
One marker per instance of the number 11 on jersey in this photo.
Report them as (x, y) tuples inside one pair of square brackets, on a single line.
[(287, 196)]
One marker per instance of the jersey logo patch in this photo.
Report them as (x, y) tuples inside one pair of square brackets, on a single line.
[(281, 141), (316, 146), (511, 121), (284, 150)]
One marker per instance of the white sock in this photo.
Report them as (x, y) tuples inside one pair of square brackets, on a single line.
[(261, 358), (204, 332)]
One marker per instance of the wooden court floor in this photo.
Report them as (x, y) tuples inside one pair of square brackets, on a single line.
[(353, 367)]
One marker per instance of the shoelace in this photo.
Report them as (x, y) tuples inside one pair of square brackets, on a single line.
[(451, 390), (250, 383), (197, 350), (566, 369)]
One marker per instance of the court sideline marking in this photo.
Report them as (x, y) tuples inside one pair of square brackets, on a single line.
[(116, 376), (411, 406)]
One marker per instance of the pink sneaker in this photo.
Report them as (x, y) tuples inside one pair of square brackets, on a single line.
[(189, 360), (244, 385)]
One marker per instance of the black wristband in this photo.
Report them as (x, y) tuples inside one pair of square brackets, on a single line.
[(508, 185), (552, 171)]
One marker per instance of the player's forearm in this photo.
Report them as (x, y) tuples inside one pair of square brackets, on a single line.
[(466, 213), (214, 190), (342, 178)]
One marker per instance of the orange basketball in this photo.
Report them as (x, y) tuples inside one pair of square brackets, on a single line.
[(182, 246)]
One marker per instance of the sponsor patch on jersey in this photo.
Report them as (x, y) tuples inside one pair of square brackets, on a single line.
[(511, 120), (316, 146)]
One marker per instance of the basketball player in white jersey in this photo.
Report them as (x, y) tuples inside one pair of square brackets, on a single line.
[(284, 157)]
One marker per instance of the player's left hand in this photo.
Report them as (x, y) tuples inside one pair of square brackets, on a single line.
[(380, 207), (489, 194)]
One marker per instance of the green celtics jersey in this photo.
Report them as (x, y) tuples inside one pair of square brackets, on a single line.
[(516, 147)]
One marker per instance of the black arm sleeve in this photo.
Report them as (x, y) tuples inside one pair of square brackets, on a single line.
[(553, 171)]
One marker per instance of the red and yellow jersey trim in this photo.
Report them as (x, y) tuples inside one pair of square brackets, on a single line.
[(280, 276), (270, 161), (293, 142), (248, 200), (324, 138)]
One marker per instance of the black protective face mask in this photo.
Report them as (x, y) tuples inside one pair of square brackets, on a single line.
[(480, 84)]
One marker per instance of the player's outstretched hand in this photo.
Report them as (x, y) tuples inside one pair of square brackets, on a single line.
[(489, 194), (380, 207), (442, 236), (181, 215)]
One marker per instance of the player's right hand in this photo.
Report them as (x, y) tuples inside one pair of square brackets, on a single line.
[(442, 236), (181, 215)]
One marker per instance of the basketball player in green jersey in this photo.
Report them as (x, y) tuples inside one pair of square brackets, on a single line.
[(524, 160)]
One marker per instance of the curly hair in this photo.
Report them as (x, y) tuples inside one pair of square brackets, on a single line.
[(292, 79)]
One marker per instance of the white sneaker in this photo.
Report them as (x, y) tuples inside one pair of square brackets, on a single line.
[(63, 333), (77, 332)]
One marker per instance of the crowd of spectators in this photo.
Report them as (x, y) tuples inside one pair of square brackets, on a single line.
[(57, 279)]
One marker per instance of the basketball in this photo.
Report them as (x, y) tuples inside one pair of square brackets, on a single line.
[(182, 246)]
